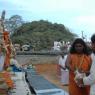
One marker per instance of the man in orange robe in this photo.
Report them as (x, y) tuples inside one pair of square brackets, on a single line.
[(78, 60)]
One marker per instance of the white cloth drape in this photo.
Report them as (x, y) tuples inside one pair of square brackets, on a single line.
[(64, 73)]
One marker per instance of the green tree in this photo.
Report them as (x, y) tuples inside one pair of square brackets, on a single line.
[(13, 23), (42, 34)]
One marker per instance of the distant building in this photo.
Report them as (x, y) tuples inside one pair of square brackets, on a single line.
[(26, 47), (57, 46)]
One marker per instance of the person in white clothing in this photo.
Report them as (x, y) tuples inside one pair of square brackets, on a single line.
[(64, 71), (90, 80)]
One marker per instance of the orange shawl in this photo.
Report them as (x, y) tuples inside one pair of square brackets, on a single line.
[(75, 61)]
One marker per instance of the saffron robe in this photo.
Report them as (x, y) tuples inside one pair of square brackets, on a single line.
[(84, 66)]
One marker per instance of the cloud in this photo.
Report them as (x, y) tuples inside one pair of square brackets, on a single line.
[(86, 19), (77, 15), (46, 5), (50, 6)]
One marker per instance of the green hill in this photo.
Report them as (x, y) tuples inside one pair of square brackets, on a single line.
[(41, 34)]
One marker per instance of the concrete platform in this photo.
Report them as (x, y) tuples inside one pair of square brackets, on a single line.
[(42, 86), (21, 86)]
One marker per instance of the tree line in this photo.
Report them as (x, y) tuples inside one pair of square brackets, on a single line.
[(39, 34)]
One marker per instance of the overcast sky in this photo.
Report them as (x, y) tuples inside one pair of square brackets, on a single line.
[(77, 15)]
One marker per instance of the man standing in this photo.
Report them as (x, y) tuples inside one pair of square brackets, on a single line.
[(64, 71), (90, 80)]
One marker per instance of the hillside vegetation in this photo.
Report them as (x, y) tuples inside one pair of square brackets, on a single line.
[(41, 34)]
